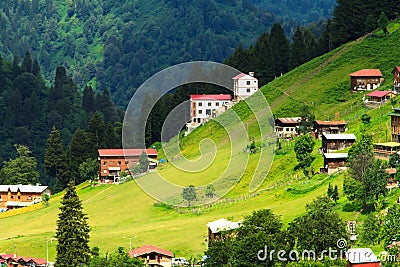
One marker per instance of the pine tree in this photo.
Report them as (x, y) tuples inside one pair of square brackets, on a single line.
[(72, 231), (88, 103), (280, 49), (298, 53), (263, 59), (54, 159), (79, 150), (96, 133), (27, 63)]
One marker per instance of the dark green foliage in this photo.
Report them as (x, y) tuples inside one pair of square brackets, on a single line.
[(79, 151), (118, 258), (370, 229), (365, 118), (298, 50), (390, 230), (22, 170), (72, 231), (320, 228), (143, 164), (383, 21), (303, 147), (189, 194), (88, 170)]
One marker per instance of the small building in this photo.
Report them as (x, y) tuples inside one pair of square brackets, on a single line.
[(361, 257), (153, 256), (114, 161), (216, 227), (365, 80), (391, 182), (395, 124), (385, 150), (334, 142), (286, 127), (244, 85), (12, 260), (17, 196), (396, 79), (334, 162), (328, 127), (206, 107), (378, 97)]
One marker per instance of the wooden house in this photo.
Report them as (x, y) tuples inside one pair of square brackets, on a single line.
[(153, 256), (334, 162), (395, 124), (17, 196), (215, 228), (286, 127), (328, 127), (114, 161), (396, 79), (361, 257), (391, 182), (378, 97), (365, 80), (334, 142), (244, 85), (12, 260), (385, 150)]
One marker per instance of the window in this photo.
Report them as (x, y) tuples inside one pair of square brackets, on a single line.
[(248, 90), (29, 197), (126, 162), (248, 82), (200, 104), (208, 111), (119, 163), (12, 197), (209, 104), (19, 197), (217, 104), (200, 111), (105, 163)]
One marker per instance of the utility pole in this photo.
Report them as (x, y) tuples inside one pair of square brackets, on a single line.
[(47, 250), (130, 241)]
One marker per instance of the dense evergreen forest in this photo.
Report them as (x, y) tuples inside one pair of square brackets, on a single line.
[(30, 111), (119, 44)]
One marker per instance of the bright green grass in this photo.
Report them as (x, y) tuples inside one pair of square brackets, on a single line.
[(120, 211)]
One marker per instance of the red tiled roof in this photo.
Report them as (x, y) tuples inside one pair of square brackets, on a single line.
[(6, 256), (289, 120), (148, 249), (40, 261), (367, 73), (330, 122), (391, 171), (238, 76), (211, 97), (396, 68), (126, 152), (378, 93)]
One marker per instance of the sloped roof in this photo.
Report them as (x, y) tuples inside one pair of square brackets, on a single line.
[(378, 93), (367, 73), (222, 225), (361, 255), (330, 123), (336, 155), (396, 68), (24, 188), (340, 136), (211, 97), (242, 75), (289, 120), (149, 249), (126, 152), (388, 144)]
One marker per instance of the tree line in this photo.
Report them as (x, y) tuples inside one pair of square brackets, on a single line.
[(30, 110)]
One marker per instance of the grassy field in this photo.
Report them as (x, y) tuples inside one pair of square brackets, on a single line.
[(119, 212)]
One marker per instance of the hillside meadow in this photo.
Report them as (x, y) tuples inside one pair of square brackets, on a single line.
[(119, 212)]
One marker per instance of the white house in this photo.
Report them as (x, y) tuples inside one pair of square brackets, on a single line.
[(244, 85), (205, 107)]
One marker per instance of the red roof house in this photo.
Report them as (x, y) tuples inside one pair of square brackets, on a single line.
[(379, 97), (152, 255), (366, 79), (114, 161), (396, 79), (244, 85)]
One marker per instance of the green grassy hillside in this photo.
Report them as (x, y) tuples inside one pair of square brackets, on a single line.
[(118, 211)]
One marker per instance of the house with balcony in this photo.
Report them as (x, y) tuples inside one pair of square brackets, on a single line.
[(395, 124), (377, 98), (334, 142), (17, 196), (334, 162), (112, 162), (206, 107), (385, 150), (328, 127), (153, 256), (244, 85), (365, 80), (286, 127)]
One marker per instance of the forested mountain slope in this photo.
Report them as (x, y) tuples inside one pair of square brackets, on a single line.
[(119, 44)]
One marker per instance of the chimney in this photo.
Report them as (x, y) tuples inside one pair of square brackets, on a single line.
[(251, 73)]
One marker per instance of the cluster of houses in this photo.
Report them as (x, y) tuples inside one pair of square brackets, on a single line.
[(12, 260)]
